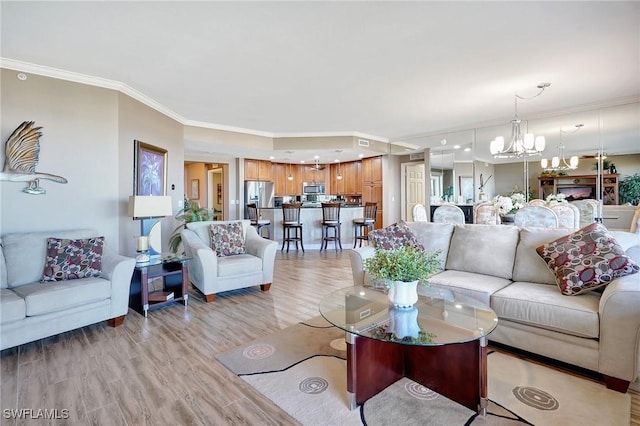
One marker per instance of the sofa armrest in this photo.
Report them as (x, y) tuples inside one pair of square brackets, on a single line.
[(357, 257), (203, 265), (264, 249), (119, 270), (620, 328)]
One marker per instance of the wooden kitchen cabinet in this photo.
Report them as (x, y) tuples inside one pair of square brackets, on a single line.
[(258, 170), (372, 169), (352, 178)]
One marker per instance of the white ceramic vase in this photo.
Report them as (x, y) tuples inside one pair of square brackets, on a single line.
[(403, 322), (403, 294)]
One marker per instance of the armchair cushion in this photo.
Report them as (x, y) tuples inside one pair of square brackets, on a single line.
[(70, 259), (586, 259), (227, 239)]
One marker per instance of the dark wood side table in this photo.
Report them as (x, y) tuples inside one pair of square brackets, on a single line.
[(175, 279)]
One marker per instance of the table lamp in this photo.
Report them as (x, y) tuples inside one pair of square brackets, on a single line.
[(149, 209)]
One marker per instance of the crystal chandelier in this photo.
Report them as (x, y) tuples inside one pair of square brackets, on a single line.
[(559, 162), (520, 145)]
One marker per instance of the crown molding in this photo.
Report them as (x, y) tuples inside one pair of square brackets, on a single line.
[(104, 83), (91, 81)]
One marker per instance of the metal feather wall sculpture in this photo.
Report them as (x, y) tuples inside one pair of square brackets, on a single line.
[(21, 154)]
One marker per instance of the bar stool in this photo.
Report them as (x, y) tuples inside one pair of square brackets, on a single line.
[(331, 220), (291, 221), (254, 217), (367, 223)]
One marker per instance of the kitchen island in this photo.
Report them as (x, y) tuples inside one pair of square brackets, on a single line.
[(311, 218)]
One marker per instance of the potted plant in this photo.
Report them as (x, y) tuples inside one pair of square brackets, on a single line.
[(401, 270), (629, 189), (191, 212)]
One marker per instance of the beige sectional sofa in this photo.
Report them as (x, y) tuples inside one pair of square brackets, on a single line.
[(498, 266), (31, 309)]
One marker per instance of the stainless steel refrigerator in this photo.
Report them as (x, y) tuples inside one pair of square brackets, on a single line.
[(260, 193)]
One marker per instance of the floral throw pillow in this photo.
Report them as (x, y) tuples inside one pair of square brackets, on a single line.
[(394, 236), (586, 259), (227, 239), (73, 259)]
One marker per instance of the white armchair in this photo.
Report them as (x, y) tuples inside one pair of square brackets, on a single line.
[(212, 274)]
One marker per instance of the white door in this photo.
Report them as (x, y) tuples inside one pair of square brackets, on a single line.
[(414, 185)]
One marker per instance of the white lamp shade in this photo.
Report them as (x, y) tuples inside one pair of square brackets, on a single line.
[(544, 163), (555, 161), (573, 161), (146, 206), (540, 143), (497, 145), (528, 141)]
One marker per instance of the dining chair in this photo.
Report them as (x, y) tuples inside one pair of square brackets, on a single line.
[(536, 216), (568, 215), (588, 211), (259, 224), (363, 225), (331, 222), (537, 202), (420, 213), (291, 222), (448, 213), (486, 213), (635, 222)]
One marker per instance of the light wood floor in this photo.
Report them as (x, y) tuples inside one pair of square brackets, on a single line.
[(161, 370)]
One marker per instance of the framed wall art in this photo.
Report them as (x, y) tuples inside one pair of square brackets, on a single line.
[(466, 188), (195, 189), (149, 169)]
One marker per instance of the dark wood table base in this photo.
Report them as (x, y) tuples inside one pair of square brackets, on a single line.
[(457, 371)]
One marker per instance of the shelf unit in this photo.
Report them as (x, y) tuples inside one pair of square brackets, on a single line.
[(548, 185)]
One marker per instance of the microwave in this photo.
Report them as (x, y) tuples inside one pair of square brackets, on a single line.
[(313, 188)]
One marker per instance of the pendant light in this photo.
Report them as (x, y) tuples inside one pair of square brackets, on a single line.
[(559, 162)]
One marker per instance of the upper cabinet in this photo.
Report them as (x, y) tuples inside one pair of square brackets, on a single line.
[(258, 170), (372, 170)]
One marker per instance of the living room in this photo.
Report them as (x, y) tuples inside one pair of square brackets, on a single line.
[(90, 122)]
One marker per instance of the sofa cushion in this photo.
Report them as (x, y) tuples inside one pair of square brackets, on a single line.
[(433, 237), (529, 267), (12, 306), (43, 298), (393, 236), (241, 264), (586, 259), (69, 259), (25, 253), (483, 249), (541, 305), (471, 285), (227, 239)]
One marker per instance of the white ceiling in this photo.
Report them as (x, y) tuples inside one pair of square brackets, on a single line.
[(397, 71)]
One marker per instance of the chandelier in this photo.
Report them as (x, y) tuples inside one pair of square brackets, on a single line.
[(520, 145), (559, 162)]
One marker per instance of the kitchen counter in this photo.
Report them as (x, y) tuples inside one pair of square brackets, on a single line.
[(311, 218)]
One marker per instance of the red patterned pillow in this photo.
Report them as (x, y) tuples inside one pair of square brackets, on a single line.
[(585, 260), (73, 259), (227, 238), (394, 236)]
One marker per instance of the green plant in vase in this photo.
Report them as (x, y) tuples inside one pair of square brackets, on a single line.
[(629, 189), (191, 212), (408, 265)]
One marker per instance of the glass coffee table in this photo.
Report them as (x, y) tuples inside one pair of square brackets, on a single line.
[(440, 343)]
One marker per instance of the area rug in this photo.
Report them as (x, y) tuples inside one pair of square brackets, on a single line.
[(303, 370)]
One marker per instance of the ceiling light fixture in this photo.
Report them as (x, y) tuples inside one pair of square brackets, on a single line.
[(520, 145), (559, 163), (289, 176), (339, 175)]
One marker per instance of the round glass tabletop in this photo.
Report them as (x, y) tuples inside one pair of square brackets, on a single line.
[(433, 320)]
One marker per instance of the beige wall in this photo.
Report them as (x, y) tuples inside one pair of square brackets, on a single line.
[(136, 121), (79, 142), (196, 171), (88, 135)]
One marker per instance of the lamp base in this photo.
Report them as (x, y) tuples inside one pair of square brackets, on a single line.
[(142, 257)]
